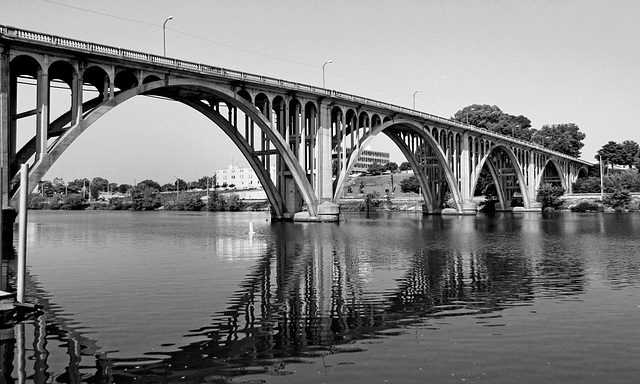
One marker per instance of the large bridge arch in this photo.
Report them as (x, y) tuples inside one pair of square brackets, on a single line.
[(500, 168), (394, 129), (189, 92)]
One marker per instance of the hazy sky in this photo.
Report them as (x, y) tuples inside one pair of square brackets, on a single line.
[(552, 61)]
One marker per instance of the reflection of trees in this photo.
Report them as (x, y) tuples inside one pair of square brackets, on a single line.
[(310, 294)]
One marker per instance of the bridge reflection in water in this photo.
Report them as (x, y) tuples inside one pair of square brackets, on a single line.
[(308, 296)]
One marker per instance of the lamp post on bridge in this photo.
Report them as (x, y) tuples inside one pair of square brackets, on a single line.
[(512, 128), (414, 97), (324, 65), (473, 109), (164, 36), (601, 177)]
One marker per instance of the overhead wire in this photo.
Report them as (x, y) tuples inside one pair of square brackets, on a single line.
[(240, 49)]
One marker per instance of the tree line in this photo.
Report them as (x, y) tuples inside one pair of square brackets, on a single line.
[(565, 137), (93, 187), (145, 195)]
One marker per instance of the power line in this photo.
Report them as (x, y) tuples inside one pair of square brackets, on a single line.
[(99, 13), (183, 33), (237, 49)]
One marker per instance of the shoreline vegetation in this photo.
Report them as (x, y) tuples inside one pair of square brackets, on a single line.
[(386, 192), (146, 200)]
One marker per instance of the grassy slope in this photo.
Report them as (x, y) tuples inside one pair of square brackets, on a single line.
[(380, 184)]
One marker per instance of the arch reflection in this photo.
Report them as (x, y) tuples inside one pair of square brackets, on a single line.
[(312, 293)]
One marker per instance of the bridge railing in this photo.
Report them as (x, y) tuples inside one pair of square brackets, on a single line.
[(188, 66)]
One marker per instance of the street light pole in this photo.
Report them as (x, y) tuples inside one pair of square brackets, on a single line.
[(601, 178), (473, 109), (164, 36), (414, 98), (324, 65)]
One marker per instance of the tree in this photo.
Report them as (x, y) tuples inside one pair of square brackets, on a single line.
[(187, 202), (405, 166), (145, 199), (618, 199), (58, 185), (480, 115), (206, 182), (97, 185), (144, 184), (392, 166), (410, 184), (73, 202), (371, 201), (168, 187), (376, 169), (549, 196), (124, 188), (565, 138), (609, 153), (629, 153), (76, 185), (485, 185), (490, 117)]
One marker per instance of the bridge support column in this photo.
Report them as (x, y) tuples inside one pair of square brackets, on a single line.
[(324, 187), (468, 206), (8, 214), (42, 122), (327, 209)]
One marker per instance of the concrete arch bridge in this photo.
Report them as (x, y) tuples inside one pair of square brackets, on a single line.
[(298, 129)]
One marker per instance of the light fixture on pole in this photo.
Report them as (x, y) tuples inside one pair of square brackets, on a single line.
[(324, 65), (164, 36), (414, 97)]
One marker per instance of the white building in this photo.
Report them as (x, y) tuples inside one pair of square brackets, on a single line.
[(368, 157), (241, 178)]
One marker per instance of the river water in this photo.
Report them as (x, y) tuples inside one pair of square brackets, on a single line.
[(164, 297)]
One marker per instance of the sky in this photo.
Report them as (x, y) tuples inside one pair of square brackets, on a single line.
[(551, 61)]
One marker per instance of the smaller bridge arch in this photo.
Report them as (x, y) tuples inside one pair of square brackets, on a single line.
[(424, 154), (507, 174)]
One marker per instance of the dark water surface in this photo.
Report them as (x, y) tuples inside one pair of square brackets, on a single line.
[(395, 298)]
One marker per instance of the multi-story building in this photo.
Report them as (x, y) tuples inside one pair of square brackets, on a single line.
[(368, 157), (241, 178)]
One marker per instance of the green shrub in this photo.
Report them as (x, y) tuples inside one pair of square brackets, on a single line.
[(73, 202), (186, 202), (618, 199), (38, 202), (488, 205), (410, 184), (549, 196), (218, 202), (370, 201), (587, 206)]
